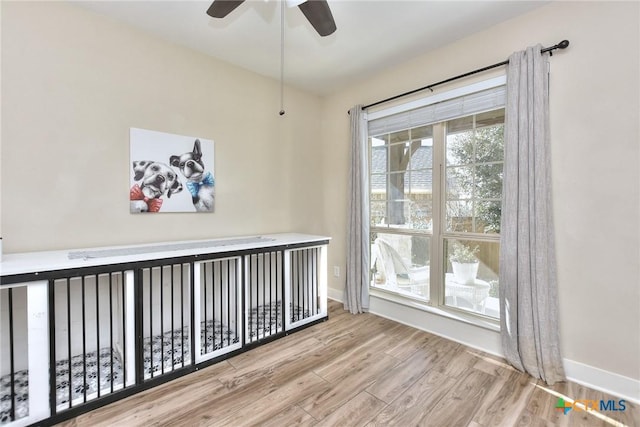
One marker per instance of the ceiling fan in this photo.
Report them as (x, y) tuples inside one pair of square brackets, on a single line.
[(317, 12)]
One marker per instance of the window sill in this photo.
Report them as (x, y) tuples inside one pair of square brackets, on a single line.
[(447, 312)]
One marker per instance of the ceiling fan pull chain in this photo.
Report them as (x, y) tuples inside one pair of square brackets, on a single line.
[(281, 58)]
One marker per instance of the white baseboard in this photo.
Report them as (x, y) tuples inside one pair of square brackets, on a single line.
[(601, 380), (335, 294), (489, 342)]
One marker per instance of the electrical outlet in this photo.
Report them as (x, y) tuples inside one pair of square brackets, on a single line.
[(336, 271)]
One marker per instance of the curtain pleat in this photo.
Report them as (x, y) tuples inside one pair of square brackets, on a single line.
[(528, 284), (357, 273)]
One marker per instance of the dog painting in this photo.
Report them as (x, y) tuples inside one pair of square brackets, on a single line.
[(155, 180), (170, 173), (199, 181)]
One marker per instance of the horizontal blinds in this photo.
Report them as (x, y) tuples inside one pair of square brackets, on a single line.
[(485, 100)]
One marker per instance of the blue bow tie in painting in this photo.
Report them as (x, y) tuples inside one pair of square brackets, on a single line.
[(194, 187)]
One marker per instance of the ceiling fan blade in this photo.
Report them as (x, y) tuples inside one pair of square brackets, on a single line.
[(319, 15), (221, 8)]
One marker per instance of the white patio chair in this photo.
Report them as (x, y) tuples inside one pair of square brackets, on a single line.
[(399, 273)]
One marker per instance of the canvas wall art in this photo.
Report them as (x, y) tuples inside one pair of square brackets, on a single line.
[(170, 173)]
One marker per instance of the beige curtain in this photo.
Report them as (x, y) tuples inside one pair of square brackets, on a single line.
[(528, 287), (356, 296)]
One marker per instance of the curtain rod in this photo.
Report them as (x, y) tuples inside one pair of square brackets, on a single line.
[(562, 45)]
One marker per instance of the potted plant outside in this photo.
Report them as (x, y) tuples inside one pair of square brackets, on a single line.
[(464, 263)]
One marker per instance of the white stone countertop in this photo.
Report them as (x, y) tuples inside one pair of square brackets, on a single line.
[(33, 262)]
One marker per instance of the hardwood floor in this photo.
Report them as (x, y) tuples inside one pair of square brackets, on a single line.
[(357, 371)]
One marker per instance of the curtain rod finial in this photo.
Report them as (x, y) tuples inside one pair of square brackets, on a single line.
[(563, 44)]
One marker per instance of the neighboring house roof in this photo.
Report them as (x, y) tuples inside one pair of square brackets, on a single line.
[(416, 180)]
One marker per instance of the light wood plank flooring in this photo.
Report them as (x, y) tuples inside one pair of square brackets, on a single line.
[(357, 371)]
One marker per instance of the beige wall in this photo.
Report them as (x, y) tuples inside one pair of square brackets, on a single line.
[(74, 82), (595, 132)]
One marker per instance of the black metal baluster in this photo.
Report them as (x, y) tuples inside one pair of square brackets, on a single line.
[(203, 305), (238, 293), (218, 316), (249, 289), (314, 295), (193, 312), (279, 285), (292, 282), (234, 312), (228, 299), (138, 295), (98, 334), (173, 346), (151, 322), (223, 296), (162, 319), (250, 305), (138, 299), (300, 263), (214, 266), (69, 339), (303, 280), (273, 274), (264, 296), (264, 303), (84, 343), (243, 295), (182, 314), (273, 295), (111, 376), (257, 292), (210, 286), (210, 315), (52, 346), (273, 258), (12, 368), (305, 283), (271, 302), (310, 281)]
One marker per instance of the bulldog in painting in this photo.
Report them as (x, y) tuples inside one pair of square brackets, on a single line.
[(199, 181), (155, 181)]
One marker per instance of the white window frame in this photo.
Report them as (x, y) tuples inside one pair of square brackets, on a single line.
[(436, 303)]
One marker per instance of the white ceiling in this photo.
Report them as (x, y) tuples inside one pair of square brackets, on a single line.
[(371, 35)]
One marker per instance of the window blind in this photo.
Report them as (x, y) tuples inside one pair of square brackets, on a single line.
[(477, 102)]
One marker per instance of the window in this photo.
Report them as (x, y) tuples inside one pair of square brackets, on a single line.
[(435, 200)]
